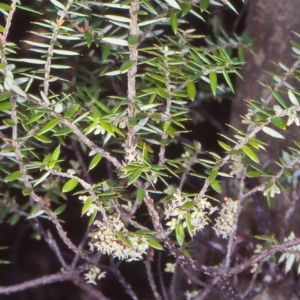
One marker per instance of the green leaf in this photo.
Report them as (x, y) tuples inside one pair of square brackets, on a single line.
[(166, 125), (71, 111), (272, 132), (226, 76), (174, 22), (179, 231), (216, 186), (185, 8), (64, 131), (157, 77), (58, 4), (189, 225), (204, 5), (293, 98), (65, 52), (163, 93), (123, 239), (55, 154), (126, 65), (48, 126), (149, 6), (26, 191), (154, 243), (250, 153), (213, 175), (35, 118), (115, 41), (213, 82), (140, 194), (105, 52), (96, 159), (5, 7), (9, 122), (87, 205), (5, 106), (92, 217), (241, 54), (188, 205), (70, 185), (13, 176), (278, 122), (5, 96), (254, 143), (173, 3), (134, 176), (191, 90), (253, 174), (88, 37), (60, 209), (37, 214), (279, 98), (224, 146)]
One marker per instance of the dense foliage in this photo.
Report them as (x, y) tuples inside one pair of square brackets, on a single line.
[(94, 111)]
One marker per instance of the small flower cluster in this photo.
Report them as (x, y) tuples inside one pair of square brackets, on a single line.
[(272, 190), (237, 167), (94, 274), (293, 118), (291, 256), (192, 294), (114, 239), (132, 155), (224, 223), (92, 207), (181, 205)]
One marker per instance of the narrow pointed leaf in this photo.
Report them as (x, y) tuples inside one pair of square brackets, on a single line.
[(174, 22), (173, 3), (191, 90), (154, 243), (213, 82), (179, 231), (250, 153), (204, 5), (227, 78), (140, 194), (293, 98), (273, 133), (70, 185), (13, 176), (96, 159)]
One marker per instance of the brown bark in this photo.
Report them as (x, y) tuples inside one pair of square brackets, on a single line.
[(270, 25)]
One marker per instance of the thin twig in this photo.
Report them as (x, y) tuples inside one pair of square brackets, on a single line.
[(58, 23), (150, 275), (173, 291), (208, 289), (128, 288), (53, 245), (236, 218), (160, 277), (44, 280), (131, 84), (188, 167), (258, 257)]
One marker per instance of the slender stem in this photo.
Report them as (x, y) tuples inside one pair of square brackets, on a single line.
[(151, 277), (56, 29), (131, 84)]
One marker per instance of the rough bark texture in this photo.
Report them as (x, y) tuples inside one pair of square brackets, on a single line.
[(270, 24)]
